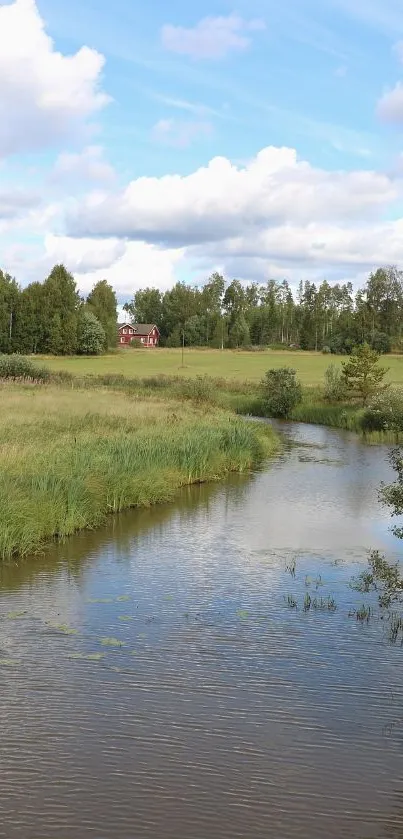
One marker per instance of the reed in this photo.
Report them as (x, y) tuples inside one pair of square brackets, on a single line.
[(68, 457)]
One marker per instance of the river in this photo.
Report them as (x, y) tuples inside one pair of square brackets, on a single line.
[(156, 682)]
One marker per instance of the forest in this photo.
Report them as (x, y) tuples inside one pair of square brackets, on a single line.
[(323, 317), (51, 317)]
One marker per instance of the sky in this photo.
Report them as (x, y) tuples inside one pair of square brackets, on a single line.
[(151, 143)]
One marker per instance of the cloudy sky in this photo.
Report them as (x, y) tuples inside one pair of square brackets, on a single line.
[(154, 142)]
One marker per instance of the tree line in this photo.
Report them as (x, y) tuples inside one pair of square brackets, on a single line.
[(52, 318), (317, 317)]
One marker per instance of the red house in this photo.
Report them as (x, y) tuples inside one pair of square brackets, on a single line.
[(147, 333)]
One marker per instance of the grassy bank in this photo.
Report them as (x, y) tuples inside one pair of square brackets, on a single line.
[(243, 398), (69, 455)]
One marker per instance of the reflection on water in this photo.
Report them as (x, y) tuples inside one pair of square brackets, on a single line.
[(154, 682)]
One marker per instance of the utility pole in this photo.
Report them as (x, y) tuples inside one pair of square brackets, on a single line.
[(183, 346), (222, 333)]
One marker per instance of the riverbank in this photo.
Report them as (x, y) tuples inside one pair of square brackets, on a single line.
[(244, 398), (70, 455)]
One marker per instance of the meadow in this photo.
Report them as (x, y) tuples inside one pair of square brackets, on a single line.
[(70, 456), (226, 364)]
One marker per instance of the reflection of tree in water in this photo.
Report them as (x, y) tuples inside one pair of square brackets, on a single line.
[(121, 535)]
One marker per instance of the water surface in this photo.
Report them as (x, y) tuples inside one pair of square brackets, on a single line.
[(154, 682)]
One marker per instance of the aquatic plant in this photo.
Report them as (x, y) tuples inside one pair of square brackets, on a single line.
[(291, 601), (112, 642), (362, 614), (395, 628), (291, 567)]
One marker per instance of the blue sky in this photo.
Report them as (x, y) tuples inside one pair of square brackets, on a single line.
[(109, 99)]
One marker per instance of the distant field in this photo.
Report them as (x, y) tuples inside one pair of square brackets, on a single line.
[(310, 366)]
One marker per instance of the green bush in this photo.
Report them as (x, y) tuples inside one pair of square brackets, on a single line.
[(200, 389), (282, 391), (17, 367), (91, 336), (385, 412), (335, 387)]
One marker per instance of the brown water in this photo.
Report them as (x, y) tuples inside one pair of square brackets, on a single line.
[(225, 714)]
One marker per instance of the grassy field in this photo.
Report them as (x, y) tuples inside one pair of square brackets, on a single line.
[(69, 456), (249, 366)]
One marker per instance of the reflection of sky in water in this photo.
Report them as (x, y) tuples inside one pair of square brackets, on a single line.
[(242, 712)]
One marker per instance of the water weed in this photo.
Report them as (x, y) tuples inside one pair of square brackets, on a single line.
[(291, 601), (112, 642)]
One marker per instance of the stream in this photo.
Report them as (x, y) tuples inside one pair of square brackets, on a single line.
[(160, 677)]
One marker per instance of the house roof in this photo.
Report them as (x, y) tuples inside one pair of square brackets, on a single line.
[(144, 328)]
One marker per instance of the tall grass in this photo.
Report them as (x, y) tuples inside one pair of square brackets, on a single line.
[(69, 457)]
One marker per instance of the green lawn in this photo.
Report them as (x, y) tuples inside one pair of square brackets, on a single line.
[(250, 366)]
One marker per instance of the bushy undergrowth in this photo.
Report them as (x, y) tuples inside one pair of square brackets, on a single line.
[(69, 457), (281, 391), (335, 386), (19, 368), (385, 412)]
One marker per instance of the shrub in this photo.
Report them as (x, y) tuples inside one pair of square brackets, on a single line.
[(282, 391), (385, 412), (326, 350), (90, 334), (200, 389), (335, 387), (17, 367)]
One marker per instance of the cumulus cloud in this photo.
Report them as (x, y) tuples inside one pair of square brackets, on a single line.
[(180, 133), (390, 106), (211, 38), (275, 214), (127, 266), (87, 165), (44, 95), (223, 201)]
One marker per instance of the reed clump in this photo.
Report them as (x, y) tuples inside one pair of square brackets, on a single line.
[(70, 456)]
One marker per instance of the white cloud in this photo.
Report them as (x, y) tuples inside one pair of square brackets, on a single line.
[(180, 133), (127, 266), (275, 214), (390, 106), (222, 201), (212, 37), (44, 95), (16, 202), (87, 165)]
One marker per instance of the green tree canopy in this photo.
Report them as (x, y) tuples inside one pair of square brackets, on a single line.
[(102, 303)]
